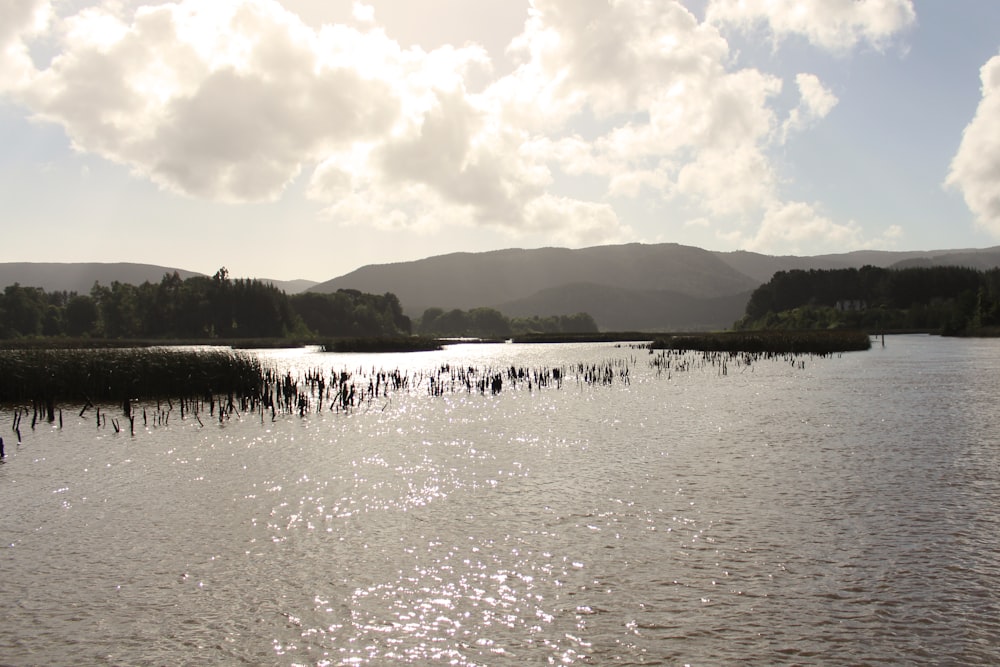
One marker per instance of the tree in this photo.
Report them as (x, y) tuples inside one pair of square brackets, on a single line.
[(428, 321), (80, 317), (22, 310), (117, 306), (488, 323)]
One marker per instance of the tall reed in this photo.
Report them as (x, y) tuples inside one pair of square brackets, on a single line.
[(778, 342), (134, 373)]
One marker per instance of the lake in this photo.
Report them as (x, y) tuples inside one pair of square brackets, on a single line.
[(816, 511)]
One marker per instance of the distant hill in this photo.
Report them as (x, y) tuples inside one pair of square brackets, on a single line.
[(468, 280), (762, 267), (80, 277), (619, 309), (290, 286), (981, 260), (656, 287), (624, 287)]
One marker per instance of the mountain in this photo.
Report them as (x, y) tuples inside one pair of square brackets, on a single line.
[(624, 287), (762, 267), (619, 309), (80, 277), (291, 286), (981, 260), (469, 280), (658, 287)]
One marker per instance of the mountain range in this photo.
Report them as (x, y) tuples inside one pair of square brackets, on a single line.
[(660, 287), (632, 287), (79, 277)]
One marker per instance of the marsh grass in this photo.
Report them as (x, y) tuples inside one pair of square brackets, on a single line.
[(603, 337), (777, 342), (383, 344), (99, 375)]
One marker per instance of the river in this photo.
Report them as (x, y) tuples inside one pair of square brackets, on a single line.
[(819, 511)]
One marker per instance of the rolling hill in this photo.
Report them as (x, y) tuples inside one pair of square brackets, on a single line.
[(657, 287), (80, 277), (619, 309), (468, 280)]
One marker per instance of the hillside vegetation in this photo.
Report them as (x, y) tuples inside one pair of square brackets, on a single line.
[(949, 299), (198, 308), (659, 287), (563, 282)]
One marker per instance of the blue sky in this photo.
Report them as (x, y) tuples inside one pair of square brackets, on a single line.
[(303, 139)]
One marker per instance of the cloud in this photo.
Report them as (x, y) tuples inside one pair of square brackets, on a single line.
[(975, 169), (20, 20), (835, 25), (729, 182), (592, 223), (232, 100), (612, 56), (363, 13), (675, 114), (815, 102), (800, 228), (797, 227), (225, 101)]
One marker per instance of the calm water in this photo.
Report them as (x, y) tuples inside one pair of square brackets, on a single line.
[(843, 513)]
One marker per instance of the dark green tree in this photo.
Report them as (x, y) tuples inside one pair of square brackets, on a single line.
[(80, 317)]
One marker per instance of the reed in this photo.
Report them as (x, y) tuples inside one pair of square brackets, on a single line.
[(70, 343), (117, 375), (383, 344), (602, 337), (777, 342)]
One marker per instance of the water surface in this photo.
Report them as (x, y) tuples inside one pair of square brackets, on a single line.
[(844, 512)]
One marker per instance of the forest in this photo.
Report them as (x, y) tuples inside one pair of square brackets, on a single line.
[(491, 323), (198, 308), (947, 299), (219, 308)]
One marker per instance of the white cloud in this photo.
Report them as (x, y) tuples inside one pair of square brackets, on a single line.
[(798, 227), (231, 100), (677, 117), (20, 20), (611, 57), (815, 102), (729, 182), (975, 169), (363, 13), (836, 25), (576, 223), (226, 101)]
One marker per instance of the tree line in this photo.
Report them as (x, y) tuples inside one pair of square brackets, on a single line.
[(945, 299), (491, 323), (197, 308)]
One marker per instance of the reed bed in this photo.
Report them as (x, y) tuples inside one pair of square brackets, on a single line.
[(383, 344), (774, 342), (602, 337), (105, 375), (203, 384)]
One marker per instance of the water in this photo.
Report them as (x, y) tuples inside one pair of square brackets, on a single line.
[(843, 513)]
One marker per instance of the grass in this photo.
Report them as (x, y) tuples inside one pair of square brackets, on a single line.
[(778, 342), (383, 344), (115, 375), (601, 337)]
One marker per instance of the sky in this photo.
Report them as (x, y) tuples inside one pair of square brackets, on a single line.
[(291, 139)]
